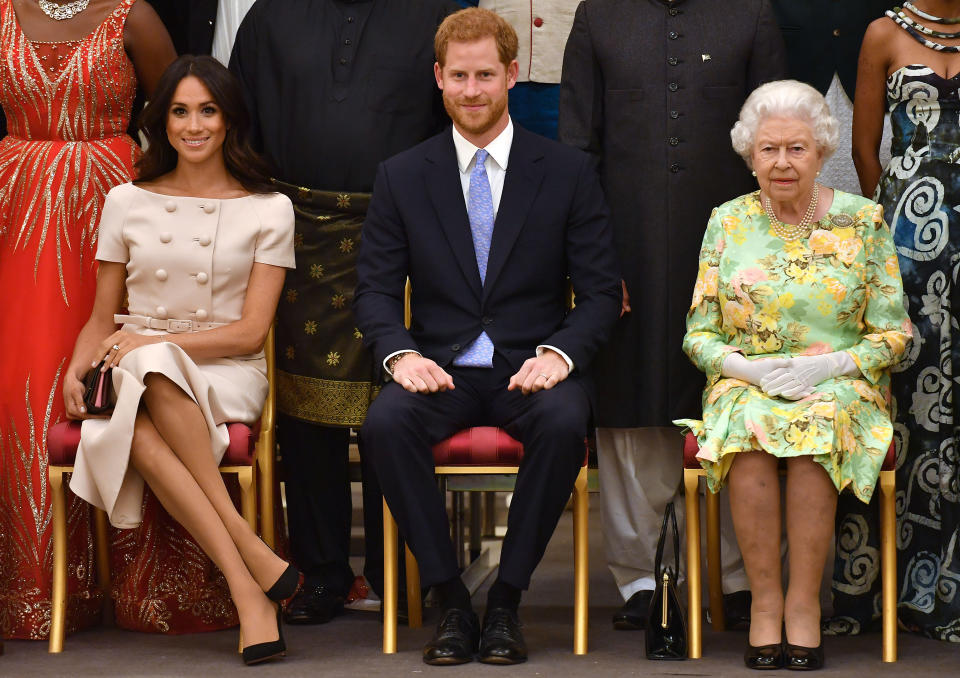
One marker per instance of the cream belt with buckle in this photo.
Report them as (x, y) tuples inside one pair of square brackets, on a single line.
[(169, 325)]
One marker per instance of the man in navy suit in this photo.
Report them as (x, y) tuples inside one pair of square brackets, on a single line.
[(489, 222)]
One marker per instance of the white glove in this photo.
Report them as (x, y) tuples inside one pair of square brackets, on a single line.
[(798, 379), (736, 366)]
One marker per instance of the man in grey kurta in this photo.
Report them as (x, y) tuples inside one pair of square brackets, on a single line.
[(651, 89)]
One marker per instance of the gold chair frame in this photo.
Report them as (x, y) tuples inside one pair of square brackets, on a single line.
[(261, 470), (888, 556)]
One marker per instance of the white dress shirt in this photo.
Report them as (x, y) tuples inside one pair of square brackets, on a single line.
[(498, 156)]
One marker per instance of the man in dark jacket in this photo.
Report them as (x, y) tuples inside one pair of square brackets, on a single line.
[(651, 89)]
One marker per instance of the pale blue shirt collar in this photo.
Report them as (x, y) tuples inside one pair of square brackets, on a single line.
[(499, 148)]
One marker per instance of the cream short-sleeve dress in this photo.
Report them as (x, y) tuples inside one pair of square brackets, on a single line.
[(187, 259)]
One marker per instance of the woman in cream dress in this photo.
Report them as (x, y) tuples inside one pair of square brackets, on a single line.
[(201, 249)]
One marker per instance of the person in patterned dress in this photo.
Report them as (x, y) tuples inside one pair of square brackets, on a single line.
[(66, 87), (913, 75), (796, 327)]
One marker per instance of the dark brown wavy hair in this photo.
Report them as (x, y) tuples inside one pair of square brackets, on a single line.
[(242, 162)]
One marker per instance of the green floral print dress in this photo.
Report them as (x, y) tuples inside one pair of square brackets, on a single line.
[(837, 290)]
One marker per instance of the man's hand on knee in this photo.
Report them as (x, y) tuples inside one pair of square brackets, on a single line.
[(421, 375), (543, 372)]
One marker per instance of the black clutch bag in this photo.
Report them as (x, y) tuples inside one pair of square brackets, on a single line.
[(666, 633), (97, 388)]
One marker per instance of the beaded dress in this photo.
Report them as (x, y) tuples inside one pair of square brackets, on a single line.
[(68, 105)]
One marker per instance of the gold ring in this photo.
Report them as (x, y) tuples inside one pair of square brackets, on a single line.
[(544, 376)]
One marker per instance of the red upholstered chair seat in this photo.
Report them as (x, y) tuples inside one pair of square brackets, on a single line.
[(479, 446), (64, 438), (690, 450)]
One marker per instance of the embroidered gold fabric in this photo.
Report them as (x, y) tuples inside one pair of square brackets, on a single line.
[(324, 401)]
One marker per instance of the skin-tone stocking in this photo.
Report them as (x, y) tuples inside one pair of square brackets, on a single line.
[(755, 507), (180, 423), (183, 498), (811, 507)]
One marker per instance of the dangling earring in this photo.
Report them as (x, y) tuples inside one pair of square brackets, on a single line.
[(754, 172)]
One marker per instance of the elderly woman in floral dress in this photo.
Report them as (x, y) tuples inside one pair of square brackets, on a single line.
[(797, 315)]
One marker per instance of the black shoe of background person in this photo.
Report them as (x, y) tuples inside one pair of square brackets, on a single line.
[(501, 641), (456, 639), (314, 604), (633, 615), (736, 610)]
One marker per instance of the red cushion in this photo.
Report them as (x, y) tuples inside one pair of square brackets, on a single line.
[(479, 446), (62, 442), (64, 438), (690, 450)]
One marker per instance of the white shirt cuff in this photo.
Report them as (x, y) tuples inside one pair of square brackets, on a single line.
[(566, 358), (386, 361)]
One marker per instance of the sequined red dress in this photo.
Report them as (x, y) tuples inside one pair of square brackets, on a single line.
[(68, 107)]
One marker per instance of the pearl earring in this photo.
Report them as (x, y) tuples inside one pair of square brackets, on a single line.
[(754, 172)]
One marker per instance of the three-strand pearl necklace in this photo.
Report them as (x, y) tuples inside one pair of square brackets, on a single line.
[(802, 229)]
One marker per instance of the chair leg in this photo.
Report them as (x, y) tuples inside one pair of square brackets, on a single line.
[(58, 601), (389, 581), (102, 545), (248, 499), (581, 566), (266, 486), (888, 555), (414, 607), (714, 566), (691, 487)]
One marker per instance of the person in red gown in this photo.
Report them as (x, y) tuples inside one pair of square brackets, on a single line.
[(68, 74)]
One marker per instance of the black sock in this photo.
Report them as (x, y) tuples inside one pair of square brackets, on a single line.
[(504, 595), (454, 595)]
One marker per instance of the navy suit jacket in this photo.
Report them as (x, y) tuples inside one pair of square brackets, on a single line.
[(552, 224)]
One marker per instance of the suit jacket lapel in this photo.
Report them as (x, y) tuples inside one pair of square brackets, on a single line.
[(520, 186), (446, 193)]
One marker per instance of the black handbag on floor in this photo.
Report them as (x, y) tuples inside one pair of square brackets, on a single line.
[(666, 633)]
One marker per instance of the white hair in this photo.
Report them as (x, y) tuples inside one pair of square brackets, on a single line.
[(789, 99)]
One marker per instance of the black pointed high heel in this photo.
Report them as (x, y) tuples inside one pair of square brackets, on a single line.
[(261, 652), (285, 586)]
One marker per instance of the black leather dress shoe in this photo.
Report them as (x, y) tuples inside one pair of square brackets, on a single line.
[(501, 641), (736, 610), (314, 604), (764, 657), (801, 658), (633, 615), (455, 640)]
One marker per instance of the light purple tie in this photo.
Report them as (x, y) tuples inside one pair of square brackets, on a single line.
[(480, 210)]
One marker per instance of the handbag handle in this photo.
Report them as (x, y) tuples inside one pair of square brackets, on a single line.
[(669, 518)]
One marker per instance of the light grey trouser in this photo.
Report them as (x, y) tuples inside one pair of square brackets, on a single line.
[(641, 471)]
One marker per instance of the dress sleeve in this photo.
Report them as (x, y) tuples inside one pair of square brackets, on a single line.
[(275, 243), (110, 242), (886, 328), (705, 343)]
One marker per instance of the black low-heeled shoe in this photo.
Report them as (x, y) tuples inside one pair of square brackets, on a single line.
[(261, 652), (764, 657), (285, 586), (800, 658)]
